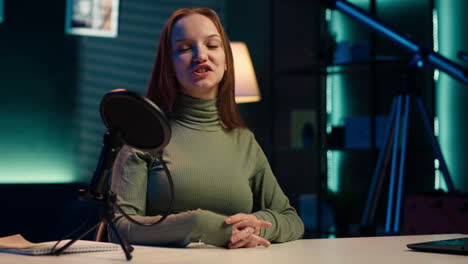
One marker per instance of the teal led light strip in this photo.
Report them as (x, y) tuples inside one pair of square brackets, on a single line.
[(450, 107), (435, 44), (329, 102), (333, 157), (439, 183), (1, 11), (435, 38)]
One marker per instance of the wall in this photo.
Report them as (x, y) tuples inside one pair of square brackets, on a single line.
[(37, 82)]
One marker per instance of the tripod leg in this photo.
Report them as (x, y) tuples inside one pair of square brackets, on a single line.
[(393, 168), (126, 247), (71, 242), (383, 173), (401, 173), (372, 196), (435, 145)]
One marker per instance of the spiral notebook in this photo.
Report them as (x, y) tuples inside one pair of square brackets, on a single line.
[(17, 244)]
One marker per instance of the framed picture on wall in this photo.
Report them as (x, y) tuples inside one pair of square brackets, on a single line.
[(92, 18), (303, 128), (1, 10)]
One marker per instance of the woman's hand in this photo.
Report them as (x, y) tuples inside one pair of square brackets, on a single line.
[(246, 231)]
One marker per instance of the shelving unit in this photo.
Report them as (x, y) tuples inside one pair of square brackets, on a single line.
[(365, 87), (297, 110)]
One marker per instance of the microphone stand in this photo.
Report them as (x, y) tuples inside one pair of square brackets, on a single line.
[(121, 130), (420, 57), (100, 191)]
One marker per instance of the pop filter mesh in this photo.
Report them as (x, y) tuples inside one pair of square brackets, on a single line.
[(140, 122)]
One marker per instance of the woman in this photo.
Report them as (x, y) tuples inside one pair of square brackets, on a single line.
[(225, 191)]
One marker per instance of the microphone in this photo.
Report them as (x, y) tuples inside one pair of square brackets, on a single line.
[(130, 119)]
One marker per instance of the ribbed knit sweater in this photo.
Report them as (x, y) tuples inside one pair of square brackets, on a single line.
[(216, 173)]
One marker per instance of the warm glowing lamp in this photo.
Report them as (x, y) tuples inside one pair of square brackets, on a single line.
[(246, 89)]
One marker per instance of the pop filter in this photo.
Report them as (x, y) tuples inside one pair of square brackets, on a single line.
[(130, 119), (134, 120), (140, 122)]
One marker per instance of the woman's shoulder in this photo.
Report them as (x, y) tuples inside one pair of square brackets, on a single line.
[(246, 137), (243, 133)]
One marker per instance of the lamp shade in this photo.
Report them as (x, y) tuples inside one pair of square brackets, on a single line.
[(246, 88)]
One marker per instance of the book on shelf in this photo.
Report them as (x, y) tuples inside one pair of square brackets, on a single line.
[(17, 244)]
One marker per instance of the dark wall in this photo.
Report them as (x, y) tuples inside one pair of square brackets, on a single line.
[(252, 26), (44, 212), (37, 82), (283, 39)]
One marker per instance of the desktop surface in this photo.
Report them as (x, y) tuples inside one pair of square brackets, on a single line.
[(362, 250)]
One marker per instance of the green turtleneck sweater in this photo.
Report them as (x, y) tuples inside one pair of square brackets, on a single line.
[(216, 173)]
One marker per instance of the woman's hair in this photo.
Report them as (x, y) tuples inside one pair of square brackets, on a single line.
[(164, 88)]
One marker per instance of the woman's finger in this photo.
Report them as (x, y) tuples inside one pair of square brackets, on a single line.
[(263, 242), (238, 217), (238, 244), (242, 235), (250, 241), (252, 223)]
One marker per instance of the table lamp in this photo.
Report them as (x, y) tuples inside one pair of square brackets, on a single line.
[(246, 88)]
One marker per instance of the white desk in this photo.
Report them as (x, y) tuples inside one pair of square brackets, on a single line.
[(373, 250)]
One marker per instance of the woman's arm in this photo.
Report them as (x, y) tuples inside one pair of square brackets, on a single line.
[(129, 181), (272, 205)]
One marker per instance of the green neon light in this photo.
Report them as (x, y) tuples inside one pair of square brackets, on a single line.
[(42, 175), (448, 92), (439, 183), (336, 102), (329, 102), (435, 38), (333, 179), (43, 169), (36, 148), (1, 11)]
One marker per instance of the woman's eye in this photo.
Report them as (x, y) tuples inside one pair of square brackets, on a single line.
[(183, 48), (212, 46)]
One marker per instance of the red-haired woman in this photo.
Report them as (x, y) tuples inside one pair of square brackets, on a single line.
[(225, 192)]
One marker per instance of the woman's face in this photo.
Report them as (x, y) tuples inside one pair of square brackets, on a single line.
[(198, 56)]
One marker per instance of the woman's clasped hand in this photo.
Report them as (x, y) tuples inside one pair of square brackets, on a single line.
[(246, 231)]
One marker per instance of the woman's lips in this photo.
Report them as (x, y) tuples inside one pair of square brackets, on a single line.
[(200, 75), (201, 71)]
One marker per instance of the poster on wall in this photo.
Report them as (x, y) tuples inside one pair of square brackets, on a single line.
[(304, 128), (1, 11), (92, 18)]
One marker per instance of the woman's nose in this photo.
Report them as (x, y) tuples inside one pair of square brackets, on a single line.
[(200, 55)]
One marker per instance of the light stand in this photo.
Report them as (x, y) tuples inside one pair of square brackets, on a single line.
[(421, 56), (133, 120), (395, 139)]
